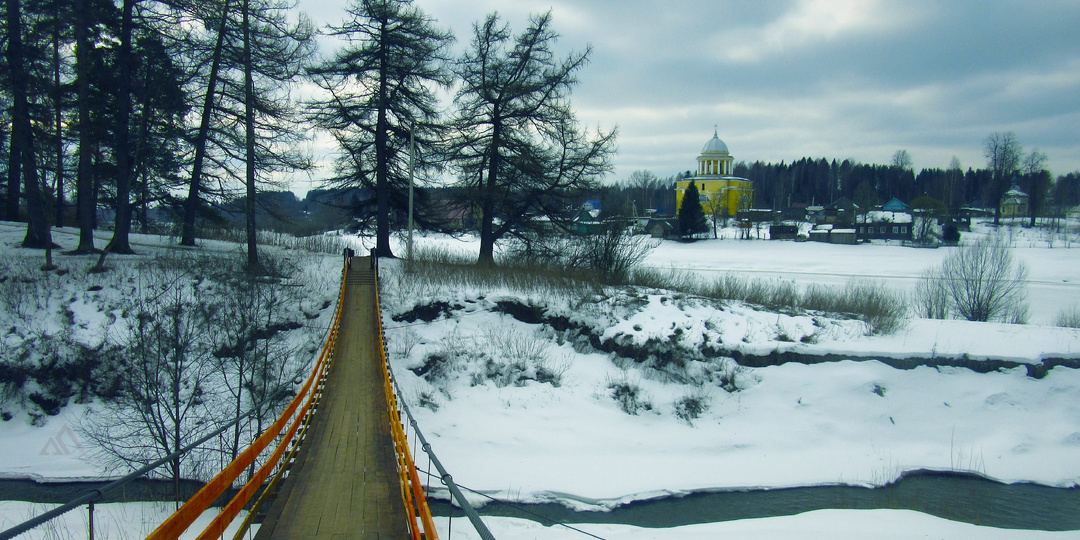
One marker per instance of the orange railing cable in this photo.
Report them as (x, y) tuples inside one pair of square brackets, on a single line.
[(412, 492)]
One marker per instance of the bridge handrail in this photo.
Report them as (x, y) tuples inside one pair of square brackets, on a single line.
[(455, 491), (412, 492), (410, 477), (194, 507)]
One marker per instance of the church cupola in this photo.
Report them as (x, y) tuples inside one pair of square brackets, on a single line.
[(715, 160)]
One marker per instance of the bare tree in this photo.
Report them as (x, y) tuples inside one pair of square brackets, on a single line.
[(614, 252), (1003, 151), (902, 162), (165, 401), (645, 181), (901, 159), (250, 348), (610, 254), (865, 197), (1034, 167), (926, 211), (956, 172), (718, 214), (984, 281), (931, 296)]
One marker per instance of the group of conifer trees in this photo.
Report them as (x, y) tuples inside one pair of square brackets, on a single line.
[(186, 104)]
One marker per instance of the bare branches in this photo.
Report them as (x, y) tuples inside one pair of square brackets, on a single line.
[(517, 146), (1003, 151), (981, 282)]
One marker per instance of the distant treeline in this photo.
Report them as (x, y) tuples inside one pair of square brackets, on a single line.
[(820, 181), (777, 186)]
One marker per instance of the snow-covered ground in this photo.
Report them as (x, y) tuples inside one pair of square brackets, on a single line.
[(137, 520), (71, 310), (850, 422), (789, 425), (113, 520), (817, 525)]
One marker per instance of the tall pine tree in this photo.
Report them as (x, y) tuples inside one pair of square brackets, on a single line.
[(379, 90), (691, 214), (521, 156)]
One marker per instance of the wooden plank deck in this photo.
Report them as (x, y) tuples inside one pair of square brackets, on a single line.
[(344, 483)]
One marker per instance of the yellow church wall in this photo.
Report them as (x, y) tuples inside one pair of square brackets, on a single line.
[(726, 192)]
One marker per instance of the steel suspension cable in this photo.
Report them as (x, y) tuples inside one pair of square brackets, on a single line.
[(530, 512)]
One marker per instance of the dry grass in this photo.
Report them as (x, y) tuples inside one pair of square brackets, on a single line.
[(882, 309)]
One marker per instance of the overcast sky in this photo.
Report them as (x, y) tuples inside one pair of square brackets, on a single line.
[(782, 80)]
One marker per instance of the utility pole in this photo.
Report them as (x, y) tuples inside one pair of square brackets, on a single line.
[(412, 159)]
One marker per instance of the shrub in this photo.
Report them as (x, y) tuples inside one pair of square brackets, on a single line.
[(984, 281), (438, 272), (436, 367), (951, 235), (879, 307), (610, 255), (1069, 318), (692, 405), (729, 377), (931, 297), (629, 395), (428, 401), (819, 297)]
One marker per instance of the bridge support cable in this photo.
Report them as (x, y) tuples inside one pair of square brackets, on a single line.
[(393, 393), (298, 409), (94, 495), (412, 491)]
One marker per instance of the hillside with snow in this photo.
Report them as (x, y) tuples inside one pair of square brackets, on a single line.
[(594, 397)]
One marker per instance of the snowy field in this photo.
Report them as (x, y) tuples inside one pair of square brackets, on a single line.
[(861, 423), (1053, 272)]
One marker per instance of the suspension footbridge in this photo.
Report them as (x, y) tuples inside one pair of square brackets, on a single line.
[(336, 464)]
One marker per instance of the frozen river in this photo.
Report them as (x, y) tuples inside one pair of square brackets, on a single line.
[(1053, 273)]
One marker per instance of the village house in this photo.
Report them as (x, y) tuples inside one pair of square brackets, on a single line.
[(885, 225), (1015, 202)]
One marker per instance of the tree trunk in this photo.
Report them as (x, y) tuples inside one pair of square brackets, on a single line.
[(191, 205), (1033, 199), (487, 217), (382, 188), (14, 58), (84, 181), (38, 234), (997, 205), (58, 121), (138, 175), (122, 227), (22, 136), (249, 144)]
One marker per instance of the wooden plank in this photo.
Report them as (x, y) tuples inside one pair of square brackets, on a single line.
[(344, 483)]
